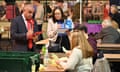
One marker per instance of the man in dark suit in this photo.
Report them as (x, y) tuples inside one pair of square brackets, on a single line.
[(23, 28)]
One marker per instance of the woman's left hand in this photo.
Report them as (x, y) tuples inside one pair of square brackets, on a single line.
[(58, 62)]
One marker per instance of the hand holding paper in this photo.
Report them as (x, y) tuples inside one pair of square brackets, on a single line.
[(67, 52), (64, 50)]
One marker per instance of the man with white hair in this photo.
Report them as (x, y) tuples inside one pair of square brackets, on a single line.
[(108, 34), (106, 23)]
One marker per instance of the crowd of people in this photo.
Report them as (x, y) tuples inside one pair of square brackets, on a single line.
[(95, 10), (43, 9)]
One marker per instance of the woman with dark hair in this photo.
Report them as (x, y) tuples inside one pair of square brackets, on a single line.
[(55, 15), (57, 26)]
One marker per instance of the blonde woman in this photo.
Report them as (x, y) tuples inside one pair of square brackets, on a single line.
[(80, 59)]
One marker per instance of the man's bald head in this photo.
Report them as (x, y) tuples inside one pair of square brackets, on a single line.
[(28, 11), (28, 6)]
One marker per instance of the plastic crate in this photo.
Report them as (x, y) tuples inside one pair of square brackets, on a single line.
[(18, 61), (94, 21)]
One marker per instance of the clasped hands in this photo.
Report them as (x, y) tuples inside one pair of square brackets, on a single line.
[(31, 36)]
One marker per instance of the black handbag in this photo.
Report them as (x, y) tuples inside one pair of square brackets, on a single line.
[(54, 47)]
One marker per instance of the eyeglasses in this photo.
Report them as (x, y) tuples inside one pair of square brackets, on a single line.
[(57, 13)]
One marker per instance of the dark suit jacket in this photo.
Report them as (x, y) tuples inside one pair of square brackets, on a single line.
[(109, 35), (18, 34)]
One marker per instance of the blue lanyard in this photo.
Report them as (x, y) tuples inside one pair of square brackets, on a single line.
[(61, 23)]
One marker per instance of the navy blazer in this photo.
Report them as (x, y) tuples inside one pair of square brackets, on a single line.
[(18, 34)]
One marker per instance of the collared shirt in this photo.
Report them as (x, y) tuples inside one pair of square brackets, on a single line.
[(24, 20)]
